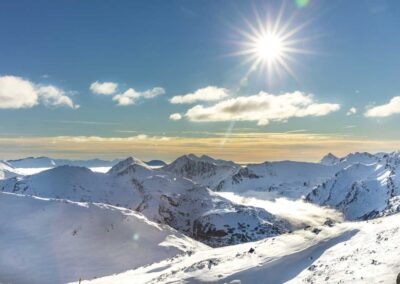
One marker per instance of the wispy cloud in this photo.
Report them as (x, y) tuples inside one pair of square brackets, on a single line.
[(17, 92), (130, 96), (86, 122), (262, 107), (349, 126), (103, 88), (210, 93), (391, 108), (351, 111)]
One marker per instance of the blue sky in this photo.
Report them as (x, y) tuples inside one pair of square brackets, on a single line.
[(184, 46)]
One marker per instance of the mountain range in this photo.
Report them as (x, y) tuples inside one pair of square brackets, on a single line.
[(162, 211)]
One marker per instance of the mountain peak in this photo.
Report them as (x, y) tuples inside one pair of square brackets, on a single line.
[(124, 164), (329, 159)]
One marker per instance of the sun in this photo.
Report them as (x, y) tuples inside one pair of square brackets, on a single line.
[(271, 44), (269, 47)]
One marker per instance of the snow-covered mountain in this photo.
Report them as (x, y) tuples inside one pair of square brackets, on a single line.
[(190, 208), (363, 190), (203, 170), (329, 160), (56, 241), (286, 178)]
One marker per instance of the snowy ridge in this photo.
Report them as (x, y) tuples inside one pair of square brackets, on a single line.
[(363, 190), (286, 178), (46, 162), (7, 171)]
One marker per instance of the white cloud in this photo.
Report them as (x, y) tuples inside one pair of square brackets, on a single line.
[(210, 93), (130, 96), (17, 92), (53, 96), (351, 111), (175, 116), (393, 107), (263, 108), (105, 88)]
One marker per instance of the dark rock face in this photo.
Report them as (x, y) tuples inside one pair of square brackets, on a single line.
[(203, 170), (242, 174)]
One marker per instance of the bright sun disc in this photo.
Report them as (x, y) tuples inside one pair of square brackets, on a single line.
[(269, 47)]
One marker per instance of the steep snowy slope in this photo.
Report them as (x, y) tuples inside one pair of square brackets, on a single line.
[(162, 197), (50, 241), (286, 178), (361, 191), (7, 171), (203, 170)]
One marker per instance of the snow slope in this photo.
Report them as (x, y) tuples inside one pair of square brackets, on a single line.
[(371, 256), (272, 260), (353, 252), (54, 241)]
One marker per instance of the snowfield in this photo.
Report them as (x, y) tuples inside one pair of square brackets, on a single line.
[(55, 241), (200, 220)]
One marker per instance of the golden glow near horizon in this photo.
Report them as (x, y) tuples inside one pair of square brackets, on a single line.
[(239, 147)]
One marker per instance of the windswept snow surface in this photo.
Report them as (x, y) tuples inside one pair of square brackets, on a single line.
[(350, 252), (274, 260), (371, 256), (54, 241)]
